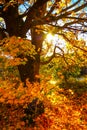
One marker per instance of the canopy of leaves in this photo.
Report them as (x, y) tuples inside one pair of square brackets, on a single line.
[(66, 19), (65, 108)]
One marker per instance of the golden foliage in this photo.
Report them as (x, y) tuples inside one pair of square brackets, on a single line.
[(63, 108), (15, 51)]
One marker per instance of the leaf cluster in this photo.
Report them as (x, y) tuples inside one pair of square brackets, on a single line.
[(15, 51)]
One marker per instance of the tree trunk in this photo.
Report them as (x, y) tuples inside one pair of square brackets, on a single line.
[(14, 28), (37, 40), (31, 69), (27, 71), (11, 20)]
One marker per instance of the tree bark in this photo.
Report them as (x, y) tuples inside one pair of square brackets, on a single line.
[(27, 71), (14, 24), (37, 40), (31, 69), (11, 20)]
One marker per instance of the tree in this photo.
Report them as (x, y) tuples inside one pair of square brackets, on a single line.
[(64, 18)]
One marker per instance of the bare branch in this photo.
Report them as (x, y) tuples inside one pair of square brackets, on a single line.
[(50, 59), (74, 28), (70, 23), (75, 18), (69, 40), (52, 8), (82, 49)]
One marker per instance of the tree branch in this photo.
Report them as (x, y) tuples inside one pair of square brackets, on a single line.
[(69, 40), (71, 6), (46, 62), (65, 14), (31, 14), (75, 18)]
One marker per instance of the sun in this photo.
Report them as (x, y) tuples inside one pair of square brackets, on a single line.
[(49, 37)]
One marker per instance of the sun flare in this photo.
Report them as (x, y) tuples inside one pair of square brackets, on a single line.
[(49, 37)]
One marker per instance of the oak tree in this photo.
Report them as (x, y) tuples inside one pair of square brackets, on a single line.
[(36, 18)]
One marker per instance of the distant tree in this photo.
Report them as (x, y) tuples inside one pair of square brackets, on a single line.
[(63, 18)]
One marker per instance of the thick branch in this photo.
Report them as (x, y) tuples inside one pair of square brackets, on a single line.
[(31, 14), (52, 8)]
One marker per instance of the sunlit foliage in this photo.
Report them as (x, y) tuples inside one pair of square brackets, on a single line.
[(15, 50), (58, 99)]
